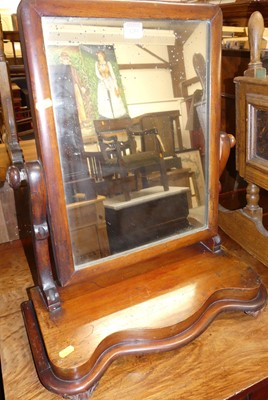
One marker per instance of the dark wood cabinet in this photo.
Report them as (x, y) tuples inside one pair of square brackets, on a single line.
[(234, 63), (239, 12), (255, 392)]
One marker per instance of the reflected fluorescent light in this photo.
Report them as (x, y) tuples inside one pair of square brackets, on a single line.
[(72, 35)]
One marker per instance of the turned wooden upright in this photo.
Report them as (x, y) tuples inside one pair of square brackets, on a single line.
[(256, 70)]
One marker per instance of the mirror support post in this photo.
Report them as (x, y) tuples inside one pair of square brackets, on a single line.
[(32, 173), (41, 234)]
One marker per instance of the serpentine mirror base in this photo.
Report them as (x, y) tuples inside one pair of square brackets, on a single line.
[(160, 305)]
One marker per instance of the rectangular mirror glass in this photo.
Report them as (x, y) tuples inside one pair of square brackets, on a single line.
[(130, 101)]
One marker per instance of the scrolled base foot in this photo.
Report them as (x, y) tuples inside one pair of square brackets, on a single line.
[(255, 314), (81, 396)]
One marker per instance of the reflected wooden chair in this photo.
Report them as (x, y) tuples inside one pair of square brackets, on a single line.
[(168, 125), (118, 156)]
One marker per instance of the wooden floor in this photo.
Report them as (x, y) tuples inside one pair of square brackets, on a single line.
[(230, 356)]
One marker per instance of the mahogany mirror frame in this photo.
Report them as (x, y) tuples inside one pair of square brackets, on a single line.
[(30, 14)]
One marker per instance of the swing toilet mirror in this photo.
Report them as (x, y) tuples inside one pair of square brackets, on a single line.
[(125, 98)]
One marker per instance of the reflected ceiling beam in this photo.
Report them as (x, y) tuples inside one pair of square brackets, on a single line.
[(151, 53), (162, 65), (177, 69), (144, 66)]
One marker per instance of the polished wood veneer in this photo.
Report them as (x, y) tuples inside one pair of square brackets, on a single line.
[(163, 305), (186, 374)]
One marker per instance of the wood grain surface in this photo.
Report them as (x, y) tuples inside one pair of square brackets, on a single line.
[(161, 309), (230, 356)]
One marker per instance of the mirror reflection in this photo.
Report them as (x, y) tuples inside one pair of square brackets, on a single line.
[(261, 134), (130, 107)]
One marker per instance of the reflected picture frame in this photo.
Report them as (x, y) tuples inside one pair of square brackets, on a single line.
[(192, 159)]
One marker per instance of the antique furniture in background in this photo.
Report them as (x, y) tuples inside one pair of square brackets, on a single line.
[(86, 311), (239, 12), (10, 151), (168, 125), (13, 37), (131, 224), (251, 148), (18, 84), (119, 154), (234, 63)]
